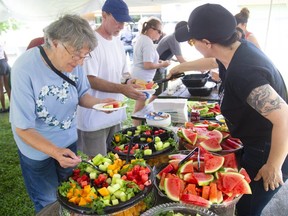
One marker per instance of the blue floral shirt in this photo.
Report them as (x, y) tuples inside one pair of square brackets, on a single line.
[(42, 100)]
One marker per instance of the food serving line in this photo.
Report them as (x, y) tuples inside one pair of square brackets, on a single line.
[(180, 91)]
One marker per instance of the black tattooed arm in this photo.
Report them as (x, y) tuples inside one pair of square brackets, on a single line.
[(270, 105)]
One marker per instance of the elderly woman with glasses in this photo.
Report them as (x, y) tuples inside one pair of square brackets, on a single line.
[(48, 85), (146, 58)]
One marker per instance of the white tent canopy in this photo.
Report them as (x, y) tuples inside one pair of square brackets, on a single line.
[(46, 10)]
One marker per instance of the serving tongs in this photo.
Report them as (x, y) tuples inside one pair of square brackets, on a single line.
[(174, 76), (91, 164), (189, 155), (87, 162)]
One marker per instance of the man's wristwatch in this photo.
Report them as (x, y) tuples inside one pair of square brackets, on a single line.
[(124, 80)]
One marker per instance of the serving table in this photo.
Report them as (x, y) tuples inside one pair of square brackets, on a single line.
[(182, 92)]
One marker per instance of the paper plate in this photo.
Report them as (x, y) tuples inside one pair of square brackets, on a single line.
[(101, 108), (149, 91)]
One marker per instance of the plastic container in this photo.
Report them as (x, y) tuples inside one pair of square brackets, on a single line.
[(157, 157), (158, 119), (178, 208)]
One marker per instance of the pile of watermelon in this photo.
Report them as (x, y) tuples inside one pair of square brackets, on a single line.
[(209, 135), (218, 181), (206, 109)]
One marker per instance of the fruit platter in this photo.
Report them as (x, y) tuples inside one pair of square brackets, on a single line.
[(207, 110), (177, 209), (205, 179), (210, 135), (143, 141), (119, 186)]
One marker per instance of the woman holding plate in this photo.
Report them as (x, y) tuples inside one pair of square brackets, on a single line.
[(146, 58)]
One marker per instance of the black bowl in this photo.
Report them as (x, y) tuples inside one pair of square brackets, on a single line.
[(195, 80), (202, 91)]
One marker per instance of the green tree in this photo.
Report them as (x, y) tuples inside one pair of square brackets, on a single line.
[(10, 24)]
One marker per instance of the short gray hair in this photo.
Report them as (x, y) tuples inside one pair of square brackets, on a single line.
[(73, 30)]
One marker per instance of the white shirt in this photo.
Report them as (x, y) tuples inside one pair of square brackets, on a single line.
[(108, 62), (144, 51)]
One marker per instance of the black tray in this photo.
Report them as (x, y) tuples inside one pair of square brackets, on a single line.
[(109, 209), (164, 136)]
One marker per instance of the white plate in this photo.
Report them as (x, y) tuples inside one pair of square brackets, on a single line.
[(100, 107), (149, 91), (220, 118)]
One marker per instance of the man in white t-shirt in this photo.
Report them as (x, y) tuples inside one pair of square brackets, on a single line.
[(105, 70)]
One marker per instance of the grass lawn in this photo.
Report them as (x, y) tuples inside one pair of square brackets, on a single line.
[(15, 200)]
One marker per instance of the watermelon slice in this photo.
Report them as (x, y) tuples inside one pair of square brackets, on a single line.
[(213, 193), (205, 191), (169, 168), (189, 125), (245, 174), (176, 156), (210, 140), (230, 161), (198, 178), (175, 163), (230, 180), (212, 163), (190, 189), (187, 167), (189, 135), (195, 200), (242, 187), (173, 188), (211, 145)]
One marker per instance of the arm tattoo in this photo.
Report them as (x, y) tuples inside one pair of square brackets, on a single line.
[(263, 101)]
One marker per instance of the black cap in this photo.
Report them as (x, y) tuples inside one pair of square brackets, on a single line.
[(209, 21)]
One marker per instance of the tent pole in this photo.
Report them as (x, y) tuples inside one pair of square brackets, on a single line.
[(268, 24)]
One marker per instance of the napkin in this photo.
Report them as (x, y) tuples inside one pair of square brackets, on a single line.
[(177, 108)]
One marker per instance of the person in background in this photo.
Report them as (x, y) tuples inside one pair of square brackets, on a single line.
[(43, 106), (4, 79), (127, 37), (35, 42), (242, 20), (254, 101), (106, 70), (146, 58), (167, 48)]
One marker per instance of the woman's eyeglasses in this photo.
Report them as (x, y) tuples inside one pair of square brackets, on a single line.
[(77, 57), (158, 30), (191, 42)]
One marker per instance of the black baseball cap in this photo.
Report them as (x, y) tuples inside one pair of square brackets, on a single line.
[(209, 21)]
